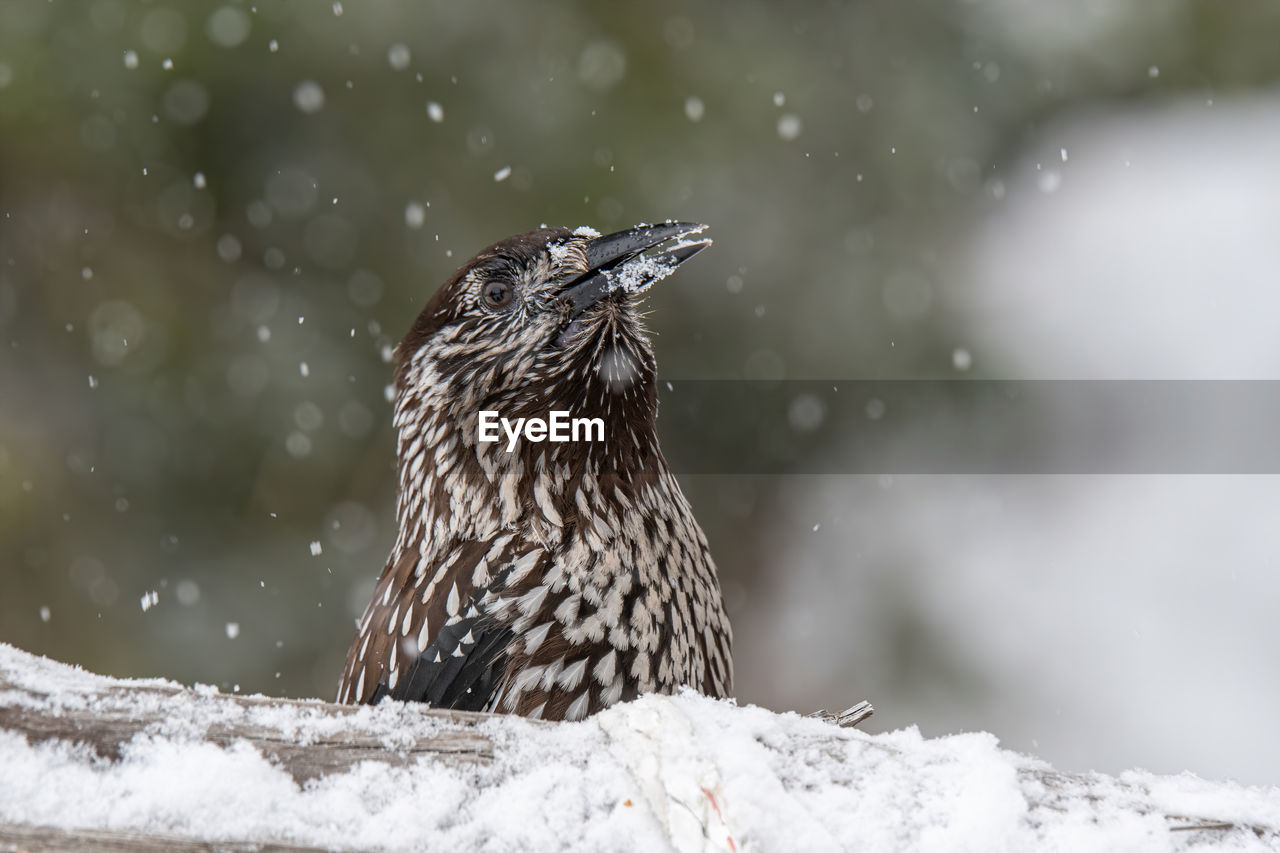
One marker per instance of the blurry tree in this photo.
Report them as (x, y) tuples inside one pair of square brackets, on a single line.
[(217, 218)]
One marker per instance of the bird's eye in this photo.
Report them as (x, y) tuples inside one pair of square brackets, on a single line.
[(497, 294)]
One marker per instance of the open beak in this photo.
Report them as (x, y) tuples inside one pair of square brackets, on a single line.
[(615, 262)]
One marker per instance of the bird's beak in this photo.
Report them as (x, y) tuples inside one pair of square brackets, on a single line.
[(615, 261)]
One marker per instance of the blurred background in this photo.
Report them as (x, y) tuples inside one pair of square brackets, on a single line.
[(217, 219)]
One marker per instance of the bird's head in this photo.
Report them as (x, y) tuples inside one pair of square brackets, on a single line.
[(540, 322)]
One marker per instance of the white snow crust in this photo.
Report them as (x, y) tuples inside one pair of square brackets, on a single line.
[(644, 271), (683, 772)]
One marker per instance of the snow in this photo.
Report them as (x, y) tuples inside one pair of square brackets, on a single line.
[(308, 96), (399, 56), (639, 274), (789, 126), (560, 252), (643, 271), (684, 772)]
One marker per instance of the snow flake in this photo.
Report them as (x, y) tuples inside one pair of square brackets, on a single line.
[(399, 56), (308, 96)]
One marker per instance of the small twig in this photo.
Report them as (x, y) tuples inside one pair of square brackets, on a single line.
[(849, 717)]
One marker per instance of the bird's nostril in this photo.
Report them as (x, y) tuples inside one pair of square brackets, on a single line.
[(570, 332)]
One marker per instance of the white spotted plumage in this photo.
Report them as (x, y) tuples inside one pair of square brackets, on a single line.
[(584, 559)]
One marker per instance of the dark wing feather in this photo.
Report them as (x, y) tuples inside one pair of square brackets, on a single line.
[(460, 667), (465, 660)]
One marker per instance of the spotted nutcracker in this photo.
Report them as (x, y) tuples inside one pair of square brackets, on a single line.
[(553, 579)]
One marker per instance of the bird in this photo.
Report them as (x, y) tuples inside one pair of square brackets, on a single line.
[(544, 579)]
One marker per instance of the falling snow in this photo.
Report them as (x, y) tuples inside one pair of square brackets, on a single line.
[(399, 56), (1049, 181), (308, 96), (187, 592), (789, 126)]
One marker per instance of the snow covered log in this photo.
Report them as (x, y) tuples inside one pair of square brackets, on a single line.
[(93, 763)]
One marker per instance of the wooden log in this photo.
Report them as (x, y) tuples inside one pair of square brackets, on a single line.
[(687, 770), (111, 722), (39, 839)]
